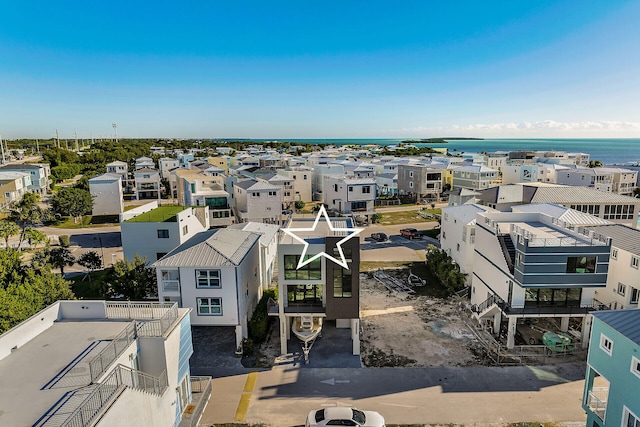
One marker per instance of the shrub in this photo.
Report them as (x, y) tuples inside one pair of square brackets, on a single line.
[(64, 240), (260, 320), (299, 204)]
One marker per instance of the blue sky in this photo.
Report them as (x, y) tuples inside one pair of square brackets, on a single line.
[(327, 69)]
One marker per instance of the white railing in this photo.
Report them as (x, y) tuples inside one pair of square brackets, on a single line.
[(171, 284), (137, 310), (101, 362), (597, 401)]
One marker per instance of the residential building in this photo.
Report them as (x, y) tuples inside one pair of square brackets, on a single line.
[(461, 196), (147, 183), (387, 184), (595, 178), (532, 265), (39, 172), (605, 205), (257, 201), (458, 234), (475, 177), (144, 163), (106, 191), (301, 177), (520, 172), (118, 167), (319, 172), (496, 160), (196, 188), (612, 378), (216, 274), (222, 162), (286, 187), (624, 180), (322, 289), (548, 172), (419, 182), (152, 231), (623, 281), (13, 185), (268, 248), (99, 363), (166, 165), (350, 195)]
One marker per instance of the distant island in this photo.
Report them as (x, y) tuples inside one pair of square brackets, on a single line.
[(437, 140)]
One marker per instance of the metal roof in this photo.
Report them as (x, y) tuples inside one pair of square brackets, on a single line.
[(213, 248), (578, 195), (106, 177), (465, 213), (622, 236), (571, 216), (627, 322), (267, 231)]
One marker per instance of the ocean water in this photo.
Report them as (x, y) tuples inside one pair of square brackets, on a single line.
[(608, 151)]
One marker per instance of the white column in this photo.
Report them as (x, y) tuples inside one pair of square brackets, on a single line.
[(355, 336), (497, 319), (586, 330), (564, 324), (511, 332), (283, 334)]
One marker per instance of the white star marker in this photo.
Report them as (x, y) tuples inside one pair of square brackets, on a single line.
[(342, 262)]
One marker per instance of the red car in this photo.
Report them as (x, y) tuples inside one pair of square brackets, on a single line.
[(410, 233)]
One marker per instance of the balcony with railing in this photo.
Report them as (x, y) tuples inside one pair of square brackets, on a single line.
[(200, 393), (171, 281), (597, 401)]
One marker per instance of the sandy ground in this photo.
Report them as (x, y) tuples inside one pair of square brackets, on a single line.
[(403, 330)]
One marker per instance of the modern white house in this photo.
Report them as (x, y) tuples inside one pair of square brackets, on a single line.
[(321, 170), (268, 248), (152, 231), (198, 188), (144, 163), (458, 235), (216, 273), (118, 167), (13, 185), (40, 175), (599, 179), (99, 363), (106, 191), (623, 281), (301, 177), (532, 265), (257, 201), (166, 165), (520, 172), (350, 195), (147, 183)]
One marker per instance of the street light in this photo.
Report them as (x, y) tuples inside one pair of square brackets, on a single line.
[(101, 250)]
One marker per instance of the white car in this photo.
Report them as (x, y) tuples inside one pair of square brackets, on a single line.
[(338, 416)]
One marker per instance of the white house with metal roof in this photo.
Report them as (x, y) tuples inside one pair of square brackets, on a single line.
[(216, 273), (268, 247), (350, 195), (106, 191), (475, 177), (623, 281)]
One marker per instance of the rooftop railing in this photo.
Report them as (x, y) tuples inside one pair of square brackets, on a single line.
[(101, 362)]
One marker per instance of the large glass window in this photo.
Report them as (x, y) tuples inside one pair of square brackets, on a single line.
[(207, 278), (304, 294), (163, 234), (342, 284), (311, 271), (544, 297), (209, 306), (216, 202), (582, 264)]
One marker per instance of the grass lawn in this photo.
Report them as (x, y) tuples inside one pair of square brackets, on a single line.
[(159, 214), (89, 221), (91, 288), (406, 217)]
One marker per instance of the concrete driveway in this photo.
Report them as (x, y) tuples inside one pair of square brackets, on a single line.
[(398, 248)]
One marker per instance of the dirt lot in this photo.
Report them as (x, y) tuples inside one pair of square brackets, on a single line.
[(404, 330)]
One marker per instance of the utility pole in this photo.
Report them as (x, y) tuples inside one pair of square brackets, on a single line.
[(57, 139), (76, 135), (115, 130), (37, 147), (2, 149)]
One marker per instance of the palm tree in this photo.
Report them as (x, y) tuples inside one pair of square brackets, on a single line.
[(8, 229), (60, 258)]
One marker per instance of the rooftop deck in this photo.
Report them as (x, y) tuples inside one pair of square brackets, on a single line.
[(159, 214)]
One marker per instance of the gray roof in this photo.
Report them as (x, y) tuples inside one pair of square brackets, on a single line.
[(106, 177), (266, 231), (579, 195), (571, 216), (627, 322), (254, 185), (622, 237), (213, 248)]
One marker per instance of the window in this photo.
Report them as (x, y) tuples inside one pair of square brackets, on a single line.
[(581, 264), (629, 419), (341, 283), (160, 255), (163, 234), (304, 176), (634, 262), (411, 185), (272, 193), (335, 187), (255, 194), (606, 344), (209, 306), (311, 271), (635, 295), (366, 190), (207, 278), (146, 176), (635, 366), (348, 254), (185, 230), (410, 174), (622, 288), (351, 188), (458, 247), (614, 253), (520, 259)]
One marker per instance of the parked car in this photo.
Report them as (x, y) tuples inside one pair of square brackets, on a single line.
[(340, 416), (410, 233), (379, 237)]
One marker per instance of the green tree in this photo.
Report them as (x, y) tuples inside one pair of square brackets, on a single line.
[(8, 229), (26, 213), (445, 268), (90, 260), (61, 257), (35, 237), (133, 279), (73, 202), (299, 204), (595, 164)]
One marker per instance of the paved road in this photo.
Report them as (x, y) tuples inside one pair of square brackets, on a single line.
[(458, 395)]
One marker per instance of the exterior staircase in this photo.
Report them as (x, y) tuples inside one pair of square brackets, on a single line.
[(508, 250)]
